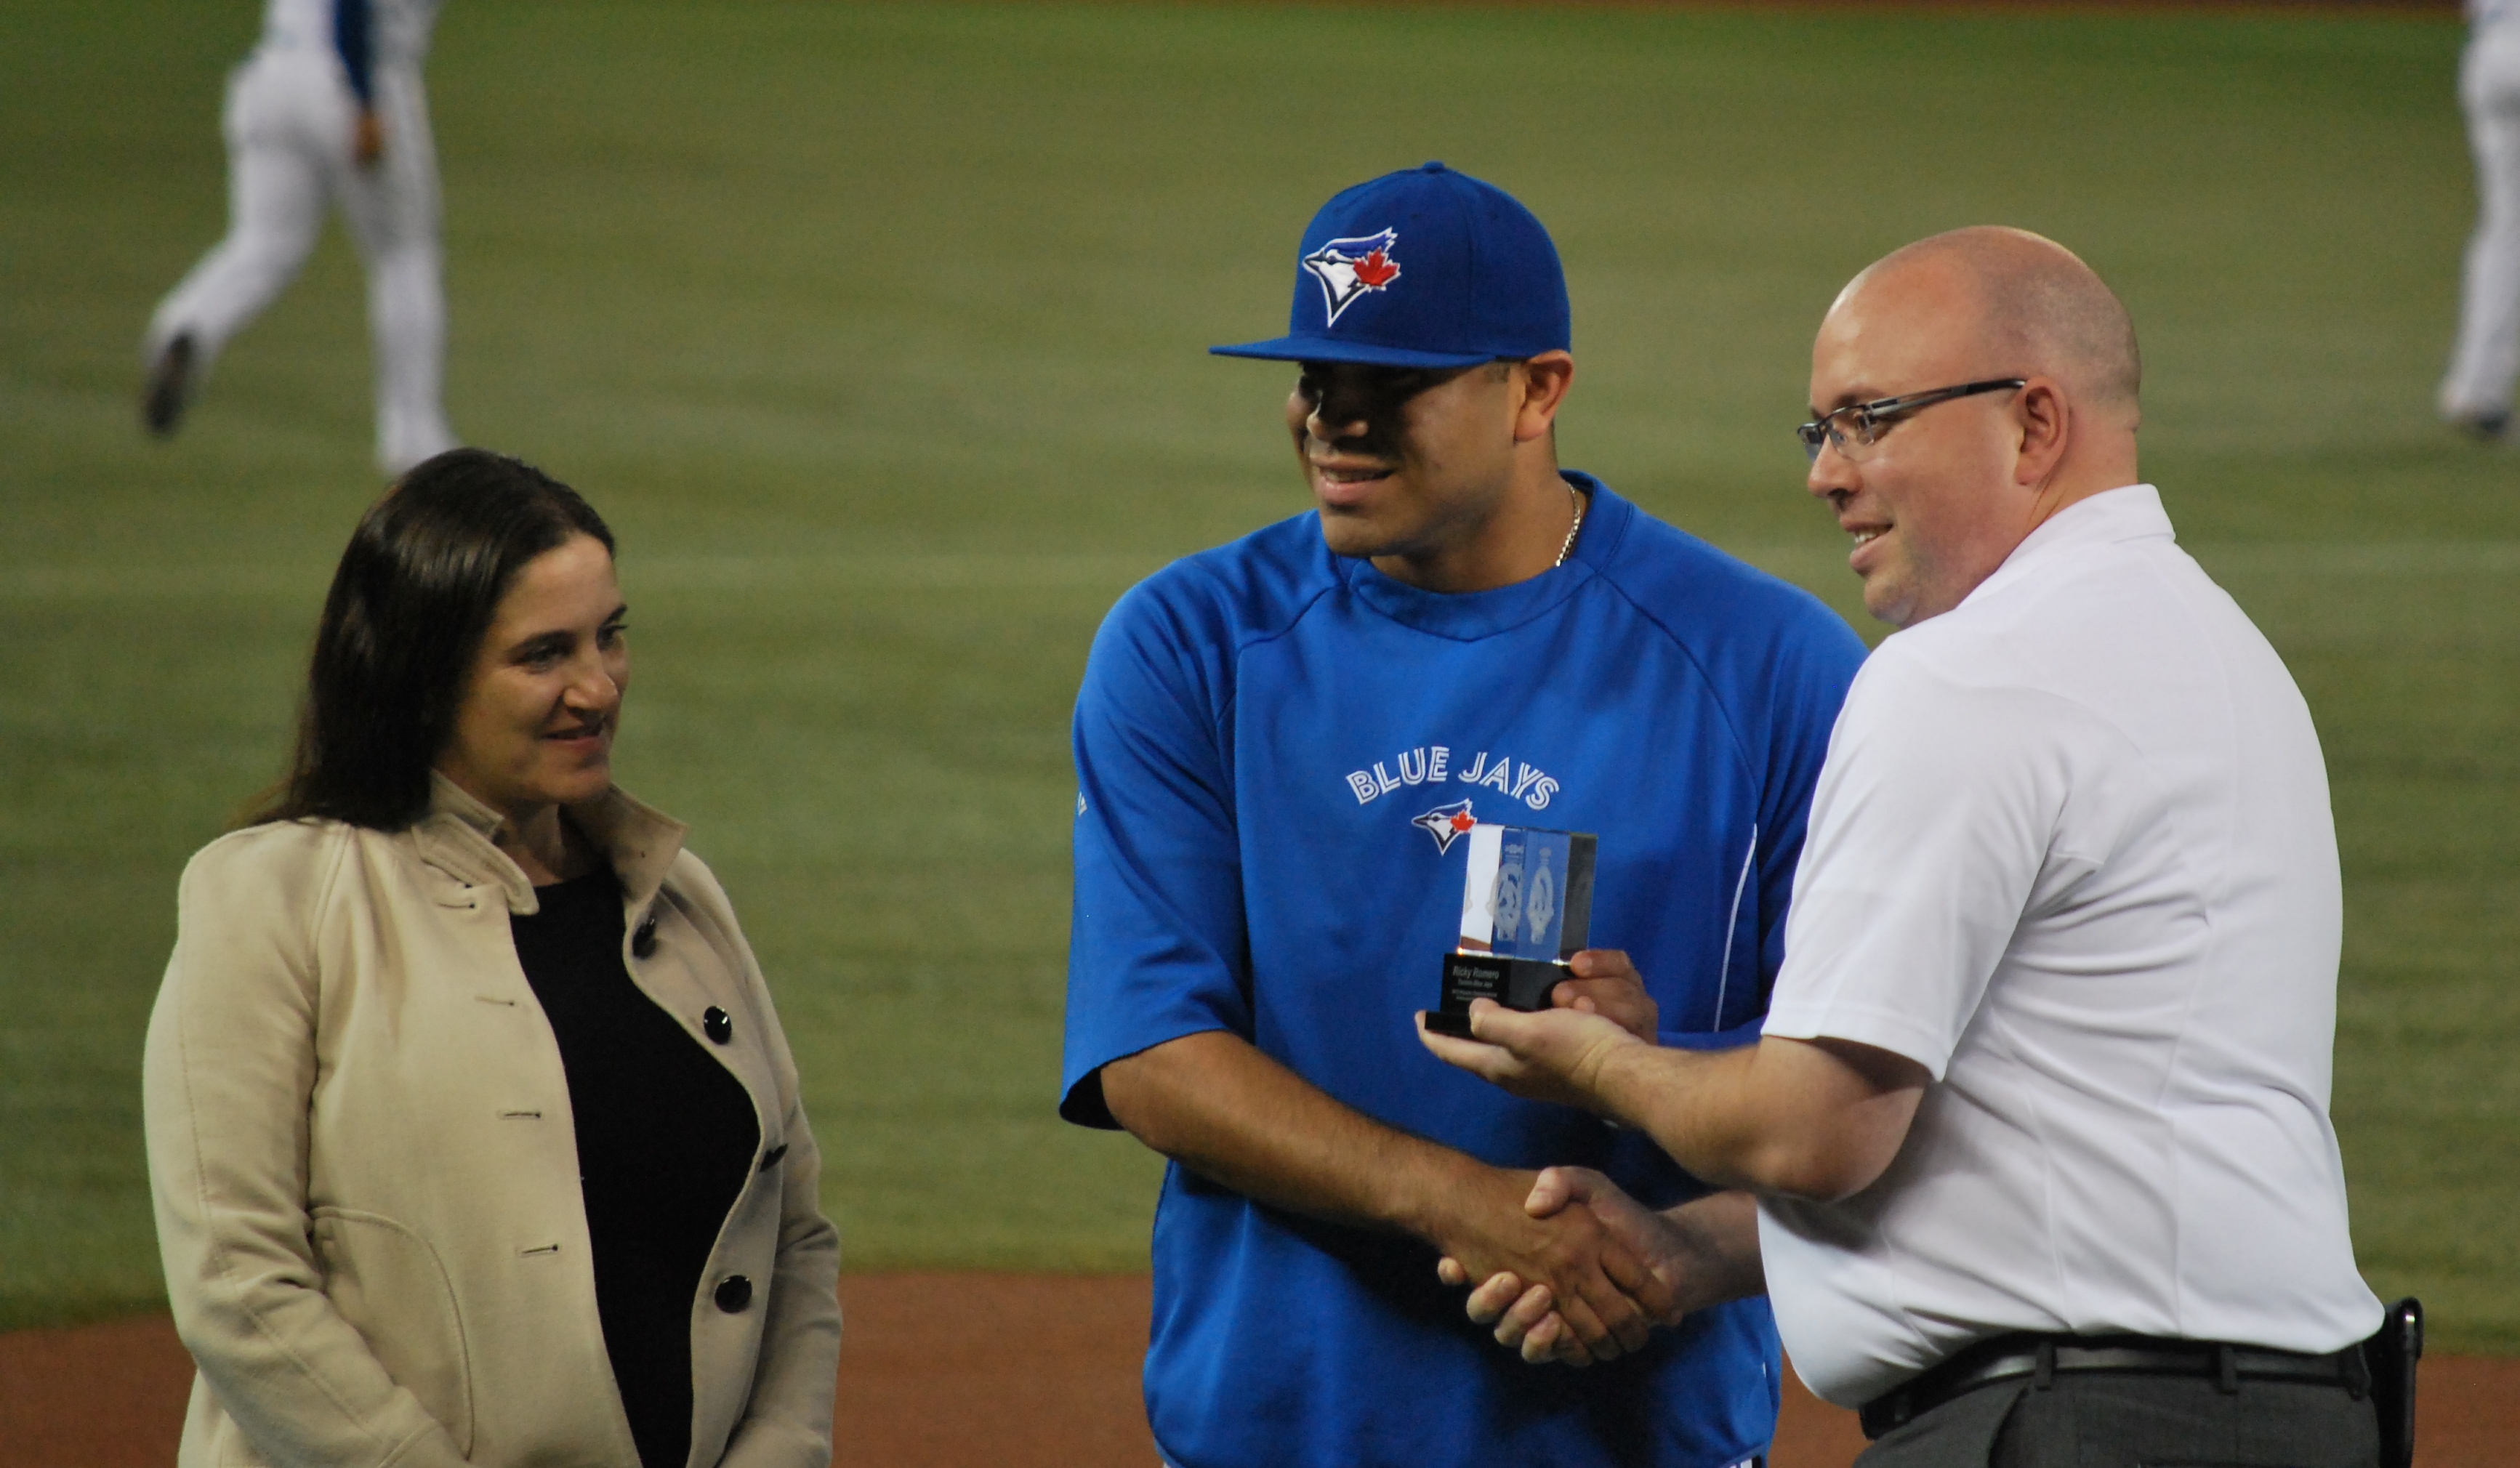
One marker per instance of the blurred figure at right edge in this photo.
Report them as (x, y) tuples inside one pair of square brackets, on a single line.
[(2476, 396), (328, 109)]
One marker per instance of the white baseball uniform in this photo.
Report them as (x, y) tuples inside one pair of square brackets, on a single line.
[(2488, 357), (291, 121)]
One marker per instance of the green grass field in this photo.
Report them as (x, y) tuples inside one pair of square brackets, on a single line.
[(878, 334)]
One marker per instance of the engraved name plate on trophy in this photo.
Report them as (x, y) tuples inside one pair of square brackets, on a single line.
[(1526, 911)]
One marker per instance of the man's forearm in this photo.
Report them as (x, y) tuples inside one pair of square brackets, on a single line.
[(1219, 1107), (1809, 1119), (1717, 1238), (1692, 1104)]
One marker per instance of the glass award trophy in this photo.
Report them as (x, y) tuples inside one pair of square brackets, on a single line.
[(1526, 911)]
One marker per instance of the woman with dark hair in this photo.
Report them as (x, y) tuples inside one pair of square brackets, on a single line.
[(473, 1133)]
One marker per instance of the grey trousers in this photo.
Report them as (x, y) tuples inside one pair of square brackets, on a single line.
[(2091, 1419)]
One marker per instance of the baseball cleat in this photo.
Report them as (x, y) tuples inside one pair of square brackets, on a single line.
[(170, 386)]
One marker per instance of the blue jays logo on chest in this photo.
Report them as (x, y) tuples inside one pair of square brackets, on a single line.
[(1432, 765), (1446, 824)]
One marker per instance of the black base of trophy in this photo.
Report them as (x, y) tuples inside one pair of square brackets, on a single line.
[(1515, 983)]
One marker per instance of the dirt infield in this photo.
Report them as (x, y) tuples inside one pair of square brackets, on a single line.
[(958, 1372)]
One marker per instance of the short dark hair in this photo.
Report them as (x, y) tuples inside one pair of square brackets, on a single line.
[(411, 602)]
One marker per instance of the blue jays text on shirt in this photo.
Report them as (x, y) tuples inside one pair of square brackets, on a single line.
[(1431, 764)]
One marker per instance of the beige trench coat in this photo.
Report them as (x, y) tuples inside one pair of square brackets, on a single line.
[(366, 1173)]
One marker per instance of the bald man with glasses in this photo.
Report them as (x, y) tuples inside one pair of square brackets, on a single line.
[(2038, 1123)]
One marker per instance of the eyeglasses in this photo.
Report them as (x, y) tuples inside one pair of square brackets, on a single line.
[(1859, 425)]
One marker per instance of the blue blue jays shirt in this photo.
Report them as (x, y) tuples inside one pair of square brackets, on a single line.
[(1274, 748)]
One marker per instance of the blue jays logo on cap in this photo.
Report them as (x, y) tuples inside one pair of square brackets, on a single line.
[(1349, 268), (1483, 281)]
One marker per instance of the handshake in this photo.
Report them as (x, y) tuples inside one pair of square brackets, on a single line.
[(1641, 1268), (1573, 1269)]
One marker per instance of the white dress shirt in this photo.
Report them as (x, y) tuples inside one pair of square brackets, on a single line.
[(2071, 852)]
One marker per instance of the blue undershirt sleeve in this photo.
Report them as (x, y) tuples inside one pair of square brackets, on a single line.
[(355, 39), (1156, 943)]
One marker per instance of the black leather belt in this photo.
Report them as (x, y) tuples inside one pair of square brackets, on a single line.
[(2037, 1357)]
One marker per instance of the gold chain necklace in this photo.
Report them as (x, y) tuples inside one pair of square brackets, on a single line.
[(1564, 550)]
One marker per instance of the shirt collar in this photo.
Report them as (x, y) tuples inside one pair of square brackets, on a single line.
[(1467, 616), (458, 835), (2131, 511)]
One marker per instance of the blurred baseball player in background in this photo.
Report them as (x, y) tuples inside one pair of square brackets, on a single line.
[(2039, 1119), (1280, 744), (327, 110), (2476, 396)]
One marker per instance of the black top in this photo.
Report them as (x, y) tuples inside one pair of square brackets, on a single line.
[(666, 1137)]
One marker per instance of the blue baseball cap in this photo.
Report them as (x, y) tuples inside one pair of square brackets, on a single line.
[(1425, 267)]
